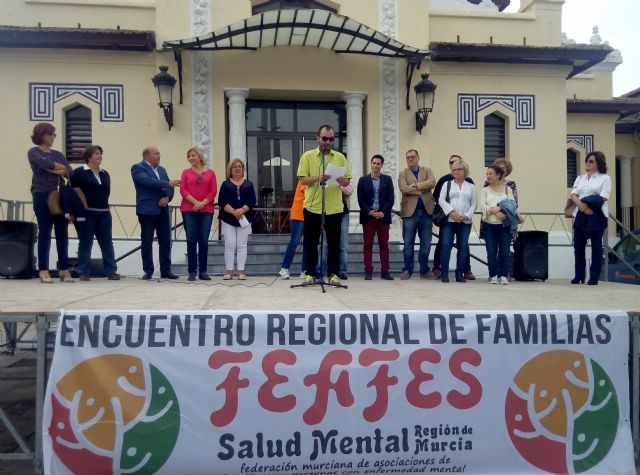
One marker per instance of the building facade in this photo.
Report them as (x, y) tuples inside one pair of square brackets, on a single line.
[(257, 77)]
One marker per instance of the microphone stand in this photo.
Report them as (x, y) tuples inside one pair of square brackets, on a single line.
[(319, 278)]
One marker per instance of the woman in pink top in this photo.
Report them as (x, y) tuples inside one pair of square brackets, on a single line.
[(198, 187)]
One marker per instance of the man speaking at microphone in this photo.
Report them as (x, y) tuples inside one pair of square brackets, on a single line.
[(312, 173)]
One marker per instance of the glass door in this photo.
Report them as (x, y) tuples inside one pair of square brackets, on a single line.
[(277, 134)]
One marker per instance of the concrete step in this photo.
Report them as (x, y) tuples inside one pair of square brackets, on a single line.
[(264, 256)]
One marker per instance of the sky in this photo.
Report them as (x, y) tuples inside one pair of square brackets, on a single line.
[(617, 22)]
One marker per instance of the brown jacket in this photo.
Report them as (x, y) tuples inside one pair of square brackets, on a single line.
[(426, 182)]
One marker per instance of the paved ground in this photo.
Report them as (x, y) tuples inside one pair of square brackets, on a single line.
[(17, 376), (272, 293)]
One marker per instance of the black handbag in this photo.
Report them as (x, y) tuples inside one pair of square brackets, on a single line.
[(439, 218)]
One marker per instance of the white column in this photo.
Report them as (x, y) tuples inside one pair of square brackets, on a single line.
[(202, 120), (355, 147), (237, 123), (626, 188)]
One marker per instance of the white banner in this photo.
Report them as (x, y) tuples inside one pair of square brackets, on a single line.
[(318, 393)]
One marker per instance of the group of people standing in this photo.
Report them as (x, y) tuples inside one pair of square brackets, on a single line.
[(320, 204), (154, 190)]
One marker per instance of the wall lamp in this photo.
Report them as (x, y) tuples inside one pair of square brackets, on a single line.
[(425, 95), (164, 84)]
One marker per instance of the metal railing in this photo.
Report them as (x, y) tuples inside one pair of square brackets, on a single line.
[(274, 221)]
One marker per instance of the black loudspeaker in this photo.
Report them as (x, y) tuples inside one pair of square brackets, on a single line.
[(531, 260), (17, 239)]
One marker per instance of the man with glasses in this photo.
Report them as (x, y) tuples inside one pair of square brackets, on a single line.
[(311, 172), (436, 196), (416, 209)]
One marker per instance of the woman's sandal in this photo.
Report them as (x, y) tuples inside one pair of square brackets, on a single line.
[(227, 277), (242, 277), (45, 278), (65, 276)]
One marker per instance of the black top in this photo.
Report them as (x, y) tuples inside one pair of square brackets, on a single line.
[(97, 194), (236, 197)]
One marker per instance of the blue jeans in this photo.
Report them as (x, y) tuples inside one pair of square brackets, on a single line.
[(461, 232), (419, 222), (344, 243), (98, 224), (46, 221), (297, 230), (197, 227), (498, 239)]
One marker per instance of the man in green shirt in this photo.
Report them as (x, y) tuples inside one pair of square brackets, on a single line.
[(312, 173)]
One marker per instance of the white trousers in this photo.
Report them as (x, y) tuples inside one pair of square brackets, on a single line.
[(235, 243)]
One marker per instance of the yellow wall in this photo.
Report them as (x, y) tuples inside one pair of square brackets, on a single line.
[(122, 141), (131, 15), (592, 85), (629, 146)]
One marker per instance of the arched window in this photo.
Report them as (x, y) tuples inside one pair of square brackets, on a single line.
[(572, 167), (261, 6), (494, 138), (78, 132)]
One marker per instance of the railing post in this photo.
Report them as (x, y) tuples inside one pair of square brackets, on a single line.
[(606, 255), (10, 210)]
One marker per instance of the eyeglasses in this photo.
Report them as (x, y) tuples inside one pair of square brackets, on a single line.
[(52, 134), (328, 139), (411, 157), (199, 180), (457, 169), (591, 160), (238, 192)]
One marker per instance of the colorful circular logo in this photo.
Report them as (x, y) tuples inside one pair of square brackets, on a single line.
[(562, 412), (115, 415)]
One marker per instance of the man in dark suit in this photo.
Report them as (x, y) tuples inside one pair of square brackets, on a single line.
[(375, 197), (154, 190)]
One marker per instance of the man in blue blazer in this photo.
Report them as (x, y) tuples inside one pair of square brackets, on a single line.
[(154, 190), (376, 197)]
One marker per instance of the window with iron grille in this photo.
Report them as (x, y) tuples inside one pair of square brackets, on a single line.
[(288, 5), (78, 132), (494, 138), (572, 167)]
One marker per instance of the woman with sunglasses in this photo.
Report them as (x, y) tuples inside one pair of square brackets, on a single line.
[(49, 168), (198, 187), (590, 194), (236, 201)]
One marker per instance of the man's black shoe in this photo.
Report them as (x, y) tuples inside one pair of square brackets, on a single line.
[(386, 276), (368, 275), (147, 277), (204, 276), (169, 276), (343, 276)]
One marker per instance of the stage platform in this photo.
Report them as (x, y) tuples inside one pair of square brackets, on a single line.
[(259, 293)]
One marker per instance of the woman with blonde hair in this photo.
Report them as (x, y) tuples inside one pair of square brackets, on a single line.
[(236, 201), (198, 187), (458, 200)]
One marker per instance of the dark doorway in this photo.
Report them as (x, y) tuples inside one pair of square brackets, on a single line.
[(277, 134)]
